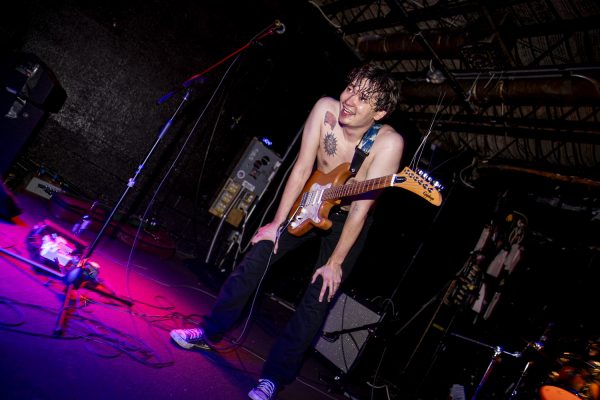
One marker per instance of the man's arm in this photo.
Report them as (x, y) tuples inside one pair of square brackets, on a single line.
[(300, 172), (387, 154)]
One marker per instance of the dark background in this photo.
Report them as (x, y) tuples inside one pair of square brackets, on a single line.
[(114, 60)]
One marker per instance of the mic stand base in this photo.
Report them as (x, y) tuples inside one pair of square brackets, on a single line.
[(72, 277)]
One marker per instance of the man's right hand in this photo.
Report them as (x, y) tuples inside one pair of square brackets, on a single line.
[(267, 232)]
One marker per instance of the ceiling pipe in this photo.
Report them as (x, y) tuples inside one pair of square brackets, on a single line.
[(572, 179), (529, 133), (405, 45), (445, 44), (573, 89), (558, 129)]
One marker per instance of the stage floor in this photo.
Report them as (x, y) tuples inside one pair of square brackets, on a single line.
[(111, 350)]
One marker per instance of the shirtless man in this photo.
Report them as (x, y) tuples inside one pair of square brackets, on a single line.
[(333, 129)]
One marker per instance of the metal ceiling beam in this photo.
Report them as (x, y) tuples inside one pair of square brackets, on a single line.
[(567, 90), (342, 5), (557, 27), (482, 123), (435, 59), (579, 134), (504, 41), (559, 177), (530, 72), (402, 45), (445, 11), (448, 44), (436, 12)]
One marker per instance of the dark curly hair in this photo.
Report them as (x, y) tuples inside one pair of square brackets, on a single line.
[(381, 86)]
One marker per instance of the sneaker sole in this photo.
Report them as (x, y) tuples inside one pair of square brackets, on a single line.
[(256, 396), (181, 342)]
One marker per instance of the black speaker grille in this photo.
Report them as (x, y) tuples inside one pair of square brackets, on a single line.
[(346, 313)]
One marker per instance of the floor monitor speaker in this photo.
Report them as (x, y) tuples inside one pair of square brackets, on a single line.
[(345, 332)]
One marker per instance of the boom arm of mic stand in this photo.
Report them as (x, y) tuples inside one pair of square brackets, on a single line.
[(498, 351), (199, 77), (264, 33)]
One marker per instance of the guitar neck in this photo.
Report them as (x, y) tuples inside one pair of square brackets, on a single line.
[(356, 188)]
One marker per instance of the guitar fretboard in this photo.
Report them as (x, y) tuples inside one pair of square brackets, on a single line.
[(356, 188)]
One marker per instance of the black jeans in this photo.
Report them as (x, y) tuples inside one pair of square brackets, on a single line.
[(287, 354)]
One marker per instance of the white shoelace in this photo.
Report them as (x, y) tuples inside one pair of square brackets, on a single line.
[(193, 334), (266, 386)]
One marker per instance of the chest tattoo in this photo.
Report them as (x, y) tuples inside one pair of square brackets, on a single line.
[(330, 143)]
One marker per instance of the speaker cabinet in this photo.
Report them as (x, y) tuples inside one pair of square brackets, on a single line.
[(346, 331), (29, 90)]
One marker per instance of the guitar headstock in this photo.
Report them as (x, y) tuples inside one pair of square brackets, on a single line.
[(422, 184)]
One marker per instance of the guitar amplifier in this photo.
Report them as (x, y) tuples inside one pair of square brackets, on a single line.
[(42, 188), (247, 182), (346, 315)]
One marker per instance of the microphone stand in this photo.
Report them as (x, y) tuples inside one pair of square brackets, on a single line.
[(495, 359), (74, 276), (333, 336)]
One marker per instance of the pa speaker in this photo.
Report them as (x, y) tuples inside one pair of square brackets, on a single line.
[(28, 91), (346, 331)]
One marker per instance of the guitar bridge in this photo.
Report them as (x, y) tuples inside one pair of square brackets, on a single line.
[(298, 217)]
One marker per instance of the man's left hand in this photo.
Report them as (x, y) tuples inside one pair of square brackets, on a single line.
[(332, 278)]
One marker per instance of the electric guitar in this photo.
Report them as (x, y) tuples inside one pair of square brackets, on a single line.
[(323, 191)]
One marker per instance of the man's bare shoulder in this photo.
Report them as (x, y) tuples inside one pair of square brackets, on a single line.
[(327, 104), (328, 101), (390, 136)]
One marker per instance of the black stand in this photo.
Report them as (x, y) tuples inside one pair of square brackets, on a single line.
[(495, 359), (74, 277), (515, 392), (77, 275), (333, 336)]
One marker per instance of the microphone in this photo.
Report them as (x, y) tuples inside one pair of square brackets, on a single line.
[(279, 27)]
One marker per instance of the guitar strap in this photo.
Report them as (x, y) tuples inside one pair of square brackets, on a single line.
[(362, 150)]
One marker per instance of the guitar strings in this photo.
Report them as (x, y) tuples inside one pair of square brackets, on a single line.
[(416, 159)]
